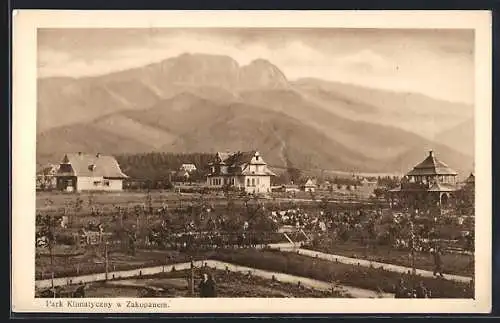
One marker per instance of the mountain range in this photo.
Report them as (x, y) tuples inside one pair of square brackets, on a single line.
[(208, 103)]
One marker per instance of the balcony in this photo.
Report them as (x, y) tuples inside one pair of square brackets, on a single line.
[(415, 186)]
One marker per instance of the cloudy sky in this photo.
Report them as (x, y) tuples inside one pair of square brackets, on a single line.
[(438, 63)]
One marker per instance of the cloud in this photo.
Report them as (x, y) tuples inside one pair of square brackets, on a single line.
[(366, 61), (439, 65)]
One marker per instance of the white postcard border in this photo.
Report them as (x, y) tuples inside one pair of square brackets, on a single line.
[(24, 58)]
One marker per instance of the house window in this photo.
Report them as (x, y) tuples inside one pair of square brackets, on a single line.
[(253, 181), (106, 182), (96, 183), (258, 181), (257, 168), (248, 181)]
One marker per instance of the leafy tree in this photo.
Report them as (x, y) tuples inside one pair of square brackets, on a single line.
[(295, 174)]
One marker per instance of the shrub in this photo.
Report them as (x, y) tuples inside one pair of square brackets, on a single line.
[(65, 239)]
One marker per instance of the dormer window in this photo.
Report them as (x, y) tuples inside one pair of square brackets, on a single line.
[(92, 167)]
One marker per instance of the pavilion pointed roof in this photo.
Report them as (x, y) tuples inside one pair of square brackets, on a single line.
[(431, 166)]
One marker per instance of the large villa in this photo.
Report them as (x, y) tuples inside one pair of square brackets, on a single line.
[(242, 170)]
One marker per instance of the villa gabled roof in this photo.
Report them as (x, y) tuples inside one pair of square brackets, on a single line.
[(240, 158), (222, 156), (90, 165), (236, 162), (310, 182), (431, 166)]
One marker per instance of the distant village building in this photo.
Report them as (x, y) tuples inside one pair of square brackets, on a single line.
[(471, 180), (367, 188), (326, 186), (468, 191), (182, 175), (431, 182), (288, 188), (188, 168), (368, 183), (88, 172), (242, 170), (310, 185)]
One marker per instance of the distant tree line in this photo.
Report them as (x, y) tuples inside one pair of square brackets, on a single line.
[(163, 167), (388, 181)]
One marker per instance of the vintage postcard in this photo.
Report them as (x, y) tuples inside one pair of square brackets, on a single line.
[(251, 162)]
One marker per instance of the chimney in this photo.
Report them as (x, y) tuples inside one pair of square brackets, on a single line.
[(98, 155)]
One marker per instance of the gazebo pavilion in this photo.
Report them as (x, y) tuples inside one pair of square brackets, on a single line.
[(430, 183)]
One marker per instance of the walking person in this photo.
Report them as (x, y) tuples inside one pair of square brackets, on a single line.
[(438, 262), (207, 286)]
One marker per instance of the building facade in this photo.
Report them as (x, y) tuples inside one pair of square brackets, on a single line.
[(242, 170), (88, 172), (188, 168)]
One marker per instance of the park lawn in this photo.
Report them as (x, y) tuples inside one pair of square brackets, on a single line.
[(91, 261), (228, 284), (457, 264), (289, 263), (108, 200), (345, 274), (54, 202)]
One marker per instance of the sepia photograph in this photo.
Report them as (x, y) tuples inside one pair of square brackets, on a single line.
[(255, 162)]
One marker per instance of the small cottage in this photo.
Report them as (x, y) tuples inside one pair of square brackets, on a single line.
[(89, 172), (188, 168), (310, 185)]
